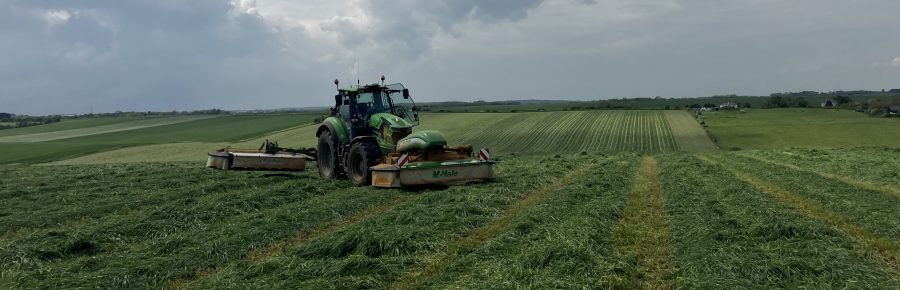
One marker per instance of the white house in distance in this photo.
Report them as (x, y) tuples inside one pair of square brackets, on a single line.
[(728, 105)]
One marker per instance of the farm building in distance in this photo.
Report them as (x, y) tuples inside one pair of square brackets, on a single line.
[(829, 103), (728, 106)]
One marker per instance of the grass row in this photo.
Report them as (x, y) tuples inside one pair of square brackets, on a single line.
[(562, 242), (206, 232), (728, 234), (555, 132), (876, 211), (379, 250), (642, 235), (876, 165)]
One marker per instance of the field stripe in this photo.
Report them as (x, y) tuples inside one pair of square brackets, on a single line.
[(589, 143), (849, 181), (670, 133), (602, 132), (663, 135), (606, 131), (103, 129), (479, 235), (886, 250), (615, 127), (666, 141), (583, 133), (643, 229)]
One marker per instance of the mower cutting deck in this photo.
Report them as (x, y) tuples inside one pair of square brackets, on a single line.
[(268, 157)]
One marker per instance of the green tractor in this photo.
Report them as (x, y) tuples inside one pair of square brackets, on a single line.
[(369, 138)]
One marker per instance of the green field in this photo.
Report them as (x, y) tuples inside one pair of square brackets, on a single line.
[(548, 222), (50, 133), (818, 128), (534, 133), (70, 124), (219, 129), (585, 199)]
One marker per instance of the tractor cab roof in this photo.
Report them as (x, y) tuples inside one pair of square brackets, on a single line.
[(370, 88)]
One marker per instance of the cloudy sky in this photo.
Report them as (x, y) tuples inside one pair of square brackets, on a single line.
[(76, 56)]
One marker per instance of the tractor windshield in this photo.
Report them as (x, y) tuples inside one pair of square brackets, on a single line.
[(369, 103), (401, 104)]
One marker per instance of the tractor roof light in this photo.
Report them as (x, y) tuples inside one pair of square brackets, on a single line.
[(336, 82), (382, 80)]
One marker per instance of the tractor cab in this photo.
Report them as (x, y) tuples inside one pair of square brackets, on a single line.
[(373, 107)]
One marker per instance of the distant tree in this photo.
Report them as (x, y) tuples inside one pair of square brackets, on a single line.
[(842, 100), (746, 105), (776, 101)]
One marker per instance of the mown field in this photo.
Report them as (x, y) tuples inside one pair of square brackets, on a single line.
[(611, 199), (817, 128), (710, 220), (506, 133)]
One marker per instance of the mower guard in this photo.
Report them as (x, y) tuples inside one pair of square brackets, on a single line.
[(422, 173)]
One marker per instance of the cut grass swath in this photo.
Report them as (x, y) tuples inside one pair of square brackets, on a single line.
[(850, 181), (642, 234), (888, 251), (480, 234)]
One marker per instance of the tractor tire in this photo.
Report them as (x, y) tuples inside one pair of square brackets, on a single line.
[(362, 155), (326, 156)]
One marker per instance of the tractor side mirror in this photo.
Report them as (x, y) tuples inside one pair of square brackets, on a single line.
[(406, 93), (337, 100)]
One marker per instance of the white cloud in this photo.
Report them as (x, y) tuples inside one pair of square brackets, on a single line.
[(56, 17), (896, 61), (244, 7)]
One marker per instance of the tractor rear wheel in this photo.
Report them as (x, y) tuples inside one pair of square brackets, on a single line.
[(326, 156), (362, 155)]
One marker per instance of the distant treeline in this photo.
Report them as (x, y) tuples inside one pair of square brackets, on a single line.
[(19, 121), (156, 113), (14, 121), (470, 104)]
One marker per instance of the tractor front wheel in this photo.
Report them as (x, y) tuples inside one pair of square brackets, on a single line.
[(362, 155), (326, 156)]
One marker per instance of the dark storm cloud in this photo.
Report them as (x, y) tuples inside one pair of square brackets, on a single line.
[(404, 29)]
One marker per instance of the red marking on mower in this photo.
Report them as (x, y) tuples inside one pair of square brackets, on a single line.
[(402, 160), (485, 154)]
